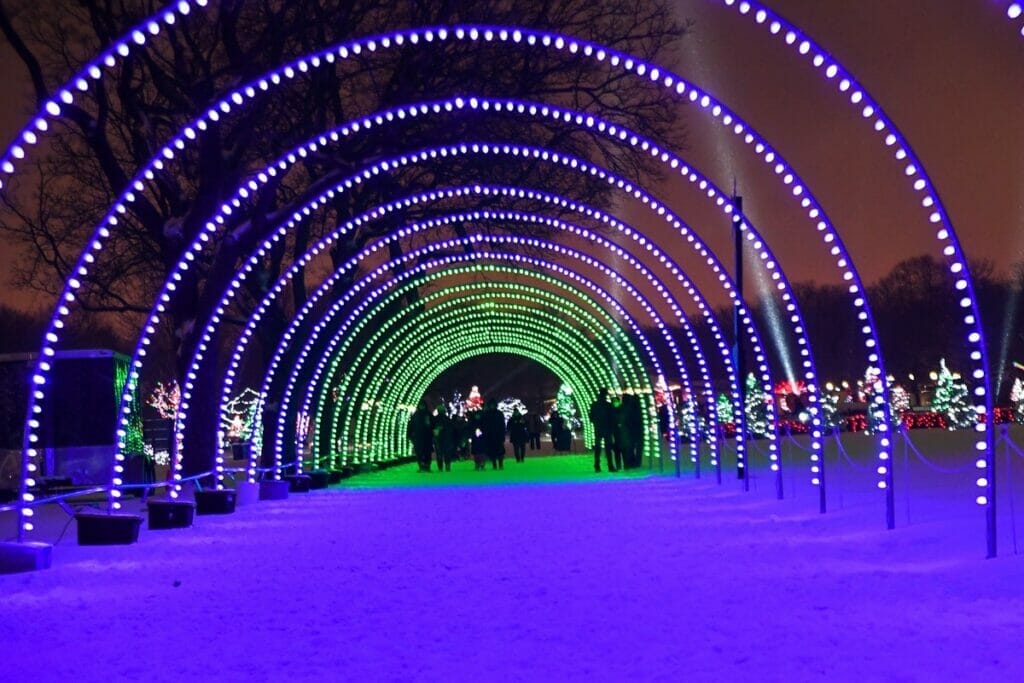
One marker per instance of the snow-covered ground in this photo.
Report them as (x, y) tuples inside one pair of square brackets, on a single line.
[(546, 571)]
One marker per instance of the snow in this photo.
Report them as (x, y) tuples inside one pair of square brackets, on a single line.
[(543, 571)]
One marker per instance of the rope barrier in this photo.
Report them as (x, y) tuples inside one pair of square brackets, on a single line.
[(9, 507), (1011, 445), (844, 454), (789, 435), (931, 465)]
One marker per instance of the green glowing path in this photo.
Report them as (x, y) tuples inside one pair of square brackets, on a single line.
[(537, 469)]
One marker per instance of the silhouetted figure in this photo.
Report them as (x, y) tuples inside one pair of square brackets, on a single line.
[(518, 434), (444, 440), (561, 438), (476, 439), (534, 426), (460, 426), (619, 430), (603, 420), (492, 426), (633, 428), (421, 433)]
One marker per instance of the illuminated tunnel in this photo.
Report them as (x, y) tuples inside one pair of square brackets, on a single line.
[(885, 132), (615, 344)]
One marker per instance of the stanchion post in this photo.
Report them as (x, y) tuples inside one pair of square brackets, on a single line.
[(737, 331)]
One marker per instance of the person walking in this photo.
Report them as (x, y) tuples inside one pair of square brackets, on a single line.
[(633, 424), (462, 434), (421, 433), (534, 426), (618, 430), (477, 447), (603, 421), (518, 434), (444, 440), (492, 426)]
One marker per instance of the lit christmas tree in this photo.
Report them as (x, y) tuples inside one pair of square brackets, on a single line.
[(899, 399), (688, 427), (456, 406), (723, 408), (755, 407), (1017, 400), (565, 404), (951, 399), (830, 409), (241, 425), (870, 389), (165, 399)]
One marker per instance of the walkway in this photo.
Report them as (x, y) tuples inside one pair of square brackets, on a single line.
[(398, 576)]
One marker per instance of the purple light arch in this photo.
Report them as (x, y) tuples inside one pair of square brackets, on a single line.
[(225, 106), (913, 171)]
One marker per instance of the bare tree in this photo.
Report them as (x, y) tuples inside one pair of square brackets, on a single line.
[(106, 138)]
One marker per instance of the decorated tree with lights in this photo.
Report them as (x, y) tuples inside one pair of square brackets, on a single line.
[(829, 403), (239, 425), (723, 408), (755, 407), (899, 398), (688, 424), (1017, 400), (565, 404), (456, 407), (950, 399), (870, 390), (165, 399)]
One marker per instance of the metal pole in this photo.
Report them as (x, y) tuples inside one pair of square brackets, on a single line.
[(737, 331)]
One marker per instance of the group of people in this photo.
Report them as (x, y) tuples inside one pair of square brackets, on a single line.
[(481, 434), (618, 431), (617, 421)]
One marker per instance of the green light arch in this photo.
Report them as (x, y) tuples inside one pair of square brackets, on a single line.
[(478, 343), (454, 311), (459, 346), (450, 310), (485, 324), (475, 270)]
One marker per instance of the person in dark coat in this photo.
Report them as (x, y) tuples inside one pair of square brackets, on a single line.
[(603, 420), (463, 435), (444, 440), (421, 433), (557, 425), (492, 426), (534, 426), (619, 437), (476, 439), (633, 427), (518, 434)]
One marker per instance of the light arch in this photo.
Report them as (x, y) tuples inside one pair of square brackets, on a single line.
[(979, 377), (403, 332)]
